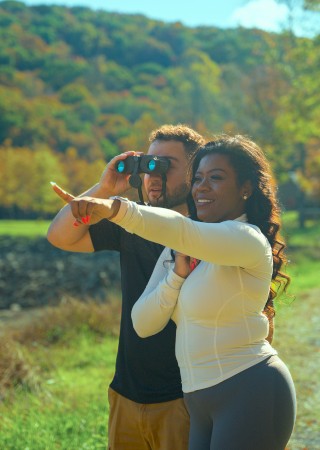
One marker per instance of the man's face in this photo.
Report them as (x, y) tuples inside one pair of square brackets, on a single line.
[(177, 187)]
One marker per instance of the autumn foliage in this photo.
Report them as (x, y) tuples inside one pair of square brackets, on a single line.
[(79, 86)]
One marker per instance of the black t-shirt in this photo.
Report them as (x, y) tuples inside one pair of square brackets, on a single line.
[(146, 368)]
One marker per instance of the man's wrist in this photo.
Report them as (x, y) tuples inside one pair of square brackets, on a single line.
[(102, 192)]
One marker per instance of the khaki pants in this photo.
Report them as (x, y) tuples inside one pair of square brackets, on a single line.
[(155, 426)]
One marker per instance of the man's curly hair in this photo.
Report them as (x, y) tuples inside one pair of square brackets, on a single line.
[(181, 133)]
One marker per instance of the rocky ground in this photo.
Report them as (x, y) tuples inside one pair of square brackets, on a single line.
[(33, 273)]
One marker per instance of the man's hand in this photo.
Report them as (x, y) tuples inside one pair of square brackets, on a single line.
[(111, 180), (88, 210)]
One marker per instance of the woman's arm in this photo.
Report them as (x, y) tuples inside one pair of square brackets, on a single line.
[(231, 243), (154, 309)]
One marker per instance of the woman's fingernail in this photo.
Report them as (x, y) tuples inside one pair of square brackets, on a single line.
[(76, 223), (85, 219)]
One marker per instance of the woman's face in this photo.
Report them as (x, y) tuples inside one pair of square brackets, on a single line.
[(215, 190)]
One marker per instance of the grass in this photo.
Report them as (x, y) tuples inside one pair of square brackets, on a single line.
[(295, 236), (58, 365), (61, 365), (297, 326), (27, 228), (303, 252), (69, 411), (64, 405), (296, 339)]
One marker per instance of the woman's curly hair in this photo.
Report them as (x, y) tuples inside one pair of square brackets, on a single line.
[(262, 207)]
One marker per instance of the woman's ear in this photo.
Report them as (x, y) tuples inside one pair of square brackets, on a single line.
[(246, 190)]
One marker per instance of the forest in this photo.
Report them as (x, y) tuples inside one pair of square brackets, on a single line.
[(79, 86)]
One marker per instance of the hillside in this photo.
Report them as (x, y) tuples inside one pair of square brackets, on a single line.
[(78, 86)]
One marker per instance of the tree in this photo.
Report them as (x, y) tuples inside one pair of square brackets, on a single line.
[(294, 7), (24, 181), (195, 86), (300, 120), (79, 173), (312, 5), (138, 138)]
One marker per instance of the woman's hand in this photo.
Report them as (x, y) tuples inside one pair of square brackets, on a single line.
[(182, 265), (88, 210)]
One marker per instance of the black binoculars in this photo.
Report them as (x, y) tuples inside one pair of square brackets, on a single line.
[(134, 165), (143, 164)]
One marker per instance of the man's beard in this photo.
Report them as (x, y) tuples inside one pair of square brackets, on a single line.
[(172, 199)]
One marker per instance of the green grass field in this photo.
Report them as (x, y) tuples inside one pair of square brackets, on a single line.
[(69, 409), (61, 373), (27, 228)]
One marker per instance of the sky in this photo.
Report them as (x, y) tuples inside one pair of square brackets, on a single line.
[(268, 15)]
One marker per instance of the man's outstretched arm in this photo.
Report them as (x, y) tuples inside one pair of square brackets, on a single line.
[(65, 232)]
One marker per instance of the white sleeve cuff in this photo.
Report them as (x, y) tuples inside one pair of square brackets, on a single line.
[(174, 281), (124, 205)]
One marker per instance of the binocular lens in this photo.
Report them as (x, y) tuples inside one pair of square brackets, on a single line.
[(152, 165), (120, 166)]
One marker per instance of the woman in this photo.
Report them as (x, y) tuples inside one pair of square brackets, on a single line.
[(238, 392)]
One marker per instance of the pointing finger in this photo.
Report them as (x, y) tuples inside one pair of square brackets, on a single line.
[(61, 193)]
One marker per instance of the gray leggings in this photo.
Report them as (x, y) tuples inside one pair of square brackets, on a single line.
[(253, 410)]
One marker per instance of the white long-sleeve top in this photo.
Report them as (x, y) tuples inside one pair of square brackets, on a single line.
[(221, 329)]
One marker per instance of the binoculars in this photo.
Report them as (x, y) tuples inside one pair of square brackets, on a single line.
[(143, 164), (134, 165)]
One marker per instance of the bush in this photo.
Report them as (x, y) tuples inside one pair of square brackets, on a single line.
[(16, 369), (54, 325), (59, 323)]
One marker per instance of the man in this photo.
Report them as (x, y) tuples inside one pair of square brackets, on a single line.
[(147, 411)]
